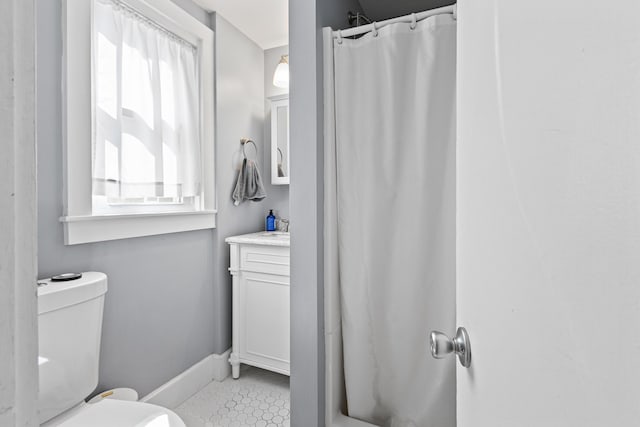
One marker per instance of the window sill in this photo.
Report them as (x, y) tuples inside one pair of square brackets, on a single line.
[(99, 228)]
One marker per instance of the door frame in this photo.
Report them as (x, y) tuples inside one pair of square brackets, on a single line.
[(18, 213)]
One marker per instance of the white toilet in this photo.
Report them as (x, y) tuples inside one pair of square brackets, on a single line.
[(70, 323)]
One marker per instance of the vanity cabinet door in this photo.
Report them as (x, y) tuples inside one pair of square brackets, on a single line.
[(264, 321), (260, 309)]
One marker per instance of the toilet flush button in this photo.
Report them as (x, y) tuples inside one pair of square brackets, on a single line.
[(66, 277)]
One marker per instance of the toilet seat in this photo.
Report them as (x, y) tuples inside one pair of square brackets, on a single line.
[(120, 413)]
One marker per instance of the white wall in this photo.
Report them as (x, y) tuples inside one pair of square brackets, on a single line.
[(18, 325)]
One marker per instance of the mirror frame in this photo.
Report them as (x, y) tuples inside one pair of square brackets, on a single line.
[(278, 102)]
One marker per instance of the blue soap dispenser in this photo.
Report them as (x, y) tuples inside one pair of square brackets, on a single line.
[(271, 221)]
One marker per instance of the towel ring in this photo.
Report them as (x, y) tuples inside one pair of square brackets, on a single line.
[(281, 155), (244, 142)]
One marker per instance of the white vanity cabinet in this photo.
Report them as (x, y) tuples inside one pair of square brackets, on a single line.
[(259, 265)]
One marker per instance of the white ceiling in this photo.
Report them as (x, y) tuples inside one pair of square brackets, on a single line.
[(266, 22)]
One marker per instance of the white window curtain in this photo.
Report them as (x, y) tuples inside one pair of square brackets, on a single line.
[(146, 115)]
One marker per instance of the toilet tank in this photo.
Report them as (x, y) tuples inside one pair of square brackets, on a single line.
[(69, 328)]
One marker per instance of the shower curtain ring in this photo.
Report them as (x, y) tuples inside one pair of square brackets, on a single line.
[(375, 29), (339, 38), (414, 21)]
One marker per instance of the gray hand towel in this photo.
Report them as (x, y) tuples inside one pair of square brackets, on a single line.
[(249, 184)]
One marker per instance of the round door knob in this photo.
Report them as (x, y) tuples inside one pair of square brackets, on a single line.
[(442, 345)]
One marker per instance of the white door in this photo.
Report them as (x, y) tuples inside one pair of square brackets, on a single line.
[(548, 263)]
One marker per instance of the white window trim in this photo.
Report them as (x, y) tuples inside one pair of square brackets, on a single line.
[(80, 225)]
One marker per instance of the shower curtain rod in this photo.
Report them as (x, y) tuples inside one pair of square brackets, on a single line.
[(407, 18)]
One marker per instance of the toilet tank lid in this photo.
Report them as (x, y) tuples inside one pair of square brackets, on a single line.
[(56, 295)]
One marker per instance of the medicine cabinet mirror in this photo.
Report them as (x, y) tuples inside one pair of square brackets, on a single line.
[(280, 140)]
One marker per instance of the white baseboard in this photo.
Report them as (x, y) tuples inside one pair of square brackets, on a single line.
[(221, 365), (171, 394)]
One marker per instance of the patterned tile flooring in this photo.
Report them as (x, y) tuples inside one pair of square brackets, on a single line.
[(258, 398)]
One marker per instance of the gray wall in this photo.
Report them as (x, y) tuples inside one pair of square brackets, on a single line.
[(239, 113), (168, 304), (306, 19), (377, 10), (278, 195)]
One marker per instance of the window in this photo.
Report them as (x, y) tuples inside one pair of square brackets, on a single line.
[(139, 120)]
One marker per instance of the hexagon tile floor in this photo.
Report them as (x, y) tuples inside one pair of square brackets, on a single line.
[(258, 398)]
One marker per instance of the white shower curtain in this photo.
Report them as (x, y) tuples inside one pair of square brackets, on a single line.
[(390, 217)]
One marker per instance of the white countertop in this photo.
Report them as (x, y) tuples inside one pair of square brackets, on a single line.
[(267, 238)]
